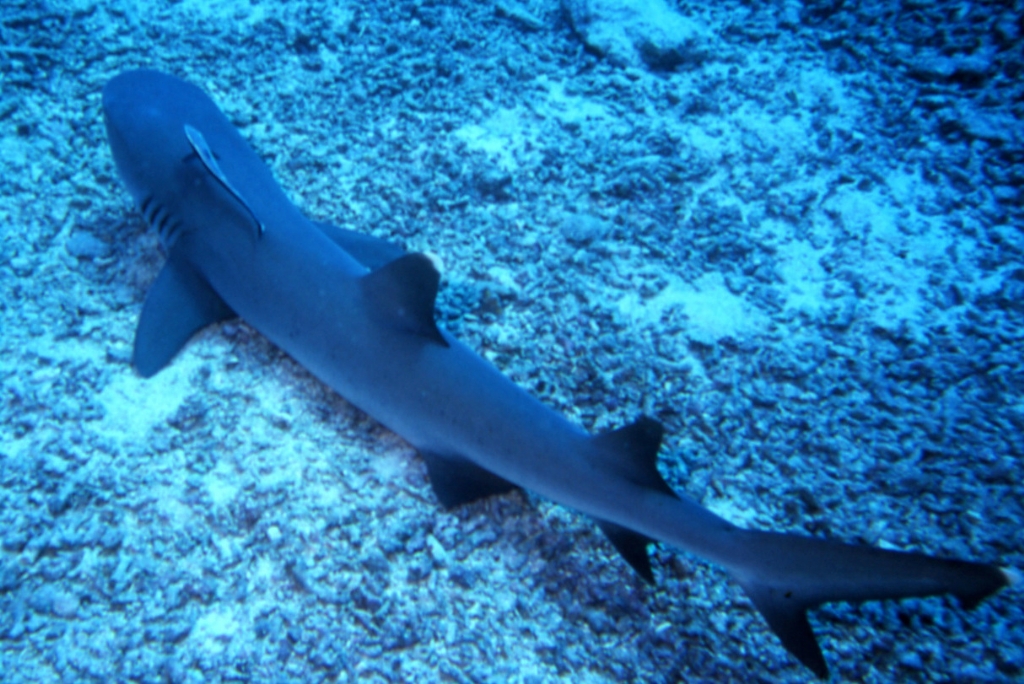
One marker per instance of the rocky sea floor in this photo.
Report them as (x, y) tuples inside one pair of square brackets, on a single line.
[(790, 231)]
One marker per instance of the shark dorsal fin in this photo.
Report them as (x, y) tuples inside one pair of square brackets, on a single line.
[(632, 451), (205, 154), (401, 293)]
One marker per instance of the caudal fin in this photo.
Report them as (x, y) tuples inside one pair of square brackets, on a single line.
[(785, 574)]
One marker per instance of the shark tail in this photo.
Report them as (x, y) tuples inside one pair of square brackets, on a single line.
[(785, 574)]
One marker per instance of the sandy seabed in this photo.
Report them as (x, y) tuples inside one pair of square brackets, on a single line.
[(797, 243)]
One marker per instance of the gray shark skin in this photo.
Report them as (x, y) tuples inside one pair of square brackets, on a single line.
[(358, 313)]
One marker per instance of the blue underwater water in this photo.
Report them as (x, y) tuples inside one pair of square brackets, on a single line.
[(790, 232)]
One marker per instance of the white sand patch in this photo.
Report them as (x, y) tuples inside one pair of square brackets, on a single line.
[(171, 509), (276, 470), (390, 466), (817, 85), (17, 153), (799, 264), (571, 108), (214, 630), (503, 136), (222, 483), (245, 11), (786, 133), (622, 28), (789, 131), (897, 245), (224, 9), (261, 577), (711, 142), (511, 137), (134, 404), (709, 309)]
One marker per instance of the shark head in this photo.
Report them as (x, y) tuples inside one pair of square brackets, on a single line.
[(158, 127), (148, 142)]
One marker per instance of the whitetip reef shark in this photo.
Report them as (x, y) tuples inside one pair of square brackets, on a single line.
[(358, 312)]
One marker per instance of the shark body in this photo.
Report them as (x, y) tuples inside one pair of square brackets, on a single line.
[(358, 313)]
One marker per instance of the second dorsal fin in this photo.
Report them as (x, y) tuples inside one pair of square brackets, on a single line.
[(401, 293), (632, 451)]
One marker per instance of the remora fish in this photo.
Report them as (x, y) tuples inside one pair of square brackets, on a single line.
[(359, 313)]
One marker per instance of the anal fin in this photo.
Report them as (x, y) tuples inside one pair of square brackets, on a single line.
[(179, 304), (457, 481), (632, 546)]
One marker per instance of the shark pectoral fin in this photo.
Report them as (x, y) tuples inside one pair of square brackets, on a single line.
[(788, 619), (632, 546), (179, 304), (372, 252), (401, 294), (632, 451), (458, 481)]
